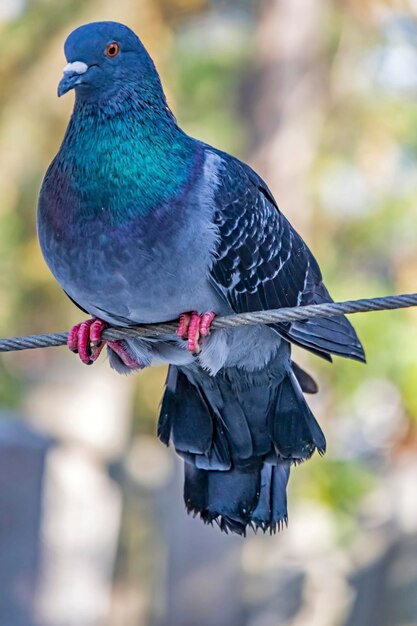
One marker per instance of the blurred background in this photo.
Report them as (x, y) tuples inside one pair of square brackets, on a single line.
[(319, 96)]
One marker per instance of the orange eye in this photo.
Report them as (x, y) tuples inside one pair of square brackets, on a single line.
[(112, 49)]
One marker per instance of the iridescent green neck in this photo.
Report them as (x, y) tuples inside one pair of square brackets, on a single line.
[(126, 163)]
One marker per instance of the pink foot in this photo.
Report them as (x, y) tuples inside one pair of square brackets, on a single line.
[(86, 340), (123, 354), (192, 326)]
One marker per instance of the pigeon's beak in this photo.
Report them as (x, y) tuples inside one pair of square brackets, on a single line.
[(73, 76)]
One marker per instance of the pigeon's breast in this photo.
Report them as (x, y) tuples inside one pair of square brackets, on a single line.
[(143, 268)]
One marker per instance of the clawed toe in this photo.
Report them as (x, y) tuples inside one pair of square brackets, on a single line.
[(96, 330), (183, 325), (85, 339), (72, 340), (192, 327)]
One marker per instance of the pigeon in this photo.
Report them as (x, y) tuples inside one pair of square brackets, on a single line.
[(141, 223)]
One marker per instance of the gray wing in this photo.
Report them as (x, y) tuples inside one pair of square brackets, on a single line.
[(262, 263)]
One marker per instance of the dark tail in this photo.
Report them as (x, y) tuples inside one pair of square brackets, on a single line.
[(321, 335), (238, 434)]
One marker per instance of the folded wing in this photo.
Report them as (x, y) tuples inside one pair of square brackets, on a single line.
[(262, 263)]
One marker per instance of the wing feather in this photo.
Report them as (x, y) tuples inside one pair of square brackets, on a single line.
[(262, 263)]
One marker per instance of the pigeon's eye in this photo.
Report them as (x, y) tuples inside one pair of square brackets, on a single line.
[(112, 49)]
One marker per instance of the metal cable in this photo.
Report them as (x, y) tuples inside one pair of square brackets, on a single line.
[(273, 316)]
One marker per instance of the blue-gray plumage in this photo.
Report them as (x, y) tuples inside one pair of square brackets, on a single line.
[(139, 223)]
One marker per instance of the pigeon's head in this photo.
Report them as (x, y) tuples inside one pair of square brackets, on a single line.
[(106, 61)]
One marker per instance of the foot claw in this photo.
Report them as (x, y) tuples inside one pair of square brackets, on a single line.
[(119, 348), (192, 327), (85, 339), (84, 347), (205, 323), (72, 341), (183, 325), (96, 331), (194, 333)]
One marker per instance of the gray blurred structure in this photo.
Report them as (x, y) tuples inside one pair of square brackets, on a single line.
[(204, 578), (87, 412), (22, 467)]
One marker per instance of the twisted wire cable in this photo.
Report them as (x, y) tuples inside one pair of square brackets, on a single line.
[(273, 316)]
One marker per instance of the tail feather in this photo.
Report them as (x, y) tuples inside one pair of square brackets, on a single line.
[(235, 493), (325, 335), (245, 495), (218, 457), (230, 415), (190, 422), (196, 490), (306, 382), (272, 503), (316, 335), (238, 434), (293, 428)]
